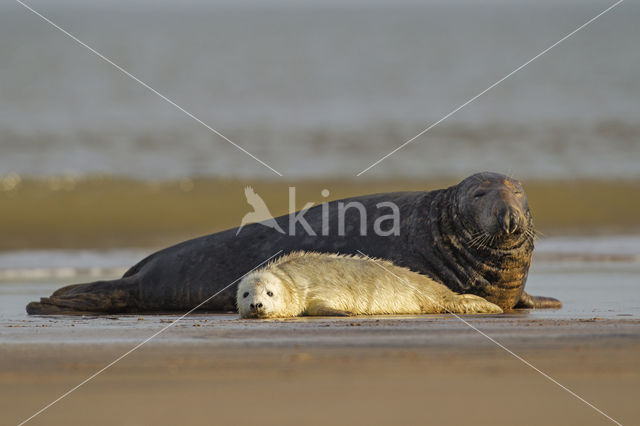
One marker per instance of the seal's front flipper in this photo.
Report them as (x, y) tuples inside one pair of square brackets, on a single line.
[(471, 304), (329, 312), (528, 301)]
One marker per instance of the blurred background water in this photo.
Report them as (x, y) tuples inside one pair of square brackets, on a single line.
[(320, 89), (93, 164)]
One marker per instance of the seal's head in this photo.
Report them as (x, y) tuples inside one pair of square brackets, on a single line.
[(261, 294), (494, 206)]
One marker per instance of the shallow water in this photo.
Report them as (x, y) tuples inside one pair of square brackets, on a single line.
[(594, 277), (320, 89)]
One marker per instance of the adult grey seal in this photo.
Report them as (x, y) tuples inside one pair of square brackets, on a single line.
[(474, 237), (321, 284)]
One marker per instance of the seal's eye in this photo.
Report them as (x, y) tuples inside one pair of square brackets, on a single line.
[(270, 294), (479, 194), (245, 294)]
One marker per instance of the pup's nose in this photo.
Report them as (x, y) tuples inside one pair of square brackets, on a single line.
[(256, 306), (510, 221)]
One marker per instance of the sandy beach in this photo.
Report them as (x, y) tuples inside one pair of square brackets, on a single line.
[(412, 370)]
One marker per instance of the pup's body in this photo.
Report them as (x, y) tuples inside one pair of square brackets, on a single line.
[(307, 283)]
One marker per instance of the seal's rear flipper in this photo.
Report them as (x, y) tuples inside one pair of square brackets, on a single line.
[(44, 307), (537, 302), (97, 297)]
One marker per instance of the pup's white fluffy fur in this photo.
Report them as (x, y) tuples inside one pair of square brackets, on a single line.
[(308, 283)]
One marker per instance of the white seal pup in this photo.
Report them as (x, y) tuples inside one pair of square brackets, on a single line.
[(309, 283)]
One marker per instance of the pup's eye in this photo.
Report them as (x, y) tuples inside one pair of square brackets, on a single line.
[(270, 294), (246, 294)]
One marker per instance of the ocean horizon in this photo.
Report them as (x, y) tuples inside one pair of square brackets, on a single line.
[(318, 90)]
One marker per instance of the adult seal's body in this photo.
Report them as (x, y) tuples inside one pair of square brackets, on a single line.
[(475, 237), (320, 284)]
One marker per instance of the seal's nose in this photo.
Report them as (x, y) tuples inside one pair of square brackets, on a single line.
[(510, 221), (256, 306)]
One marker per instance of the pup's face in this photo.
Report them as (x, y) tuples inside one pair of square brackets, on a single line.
[(260, 296)]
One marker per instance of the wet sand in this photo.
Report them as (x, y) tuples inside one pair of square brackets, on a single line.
[(395, 370)]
